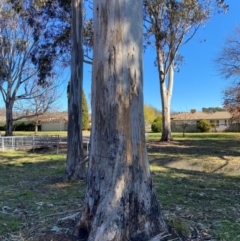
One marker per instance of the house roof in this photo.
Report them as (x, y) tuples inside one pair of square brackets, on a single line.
[(219, 115)]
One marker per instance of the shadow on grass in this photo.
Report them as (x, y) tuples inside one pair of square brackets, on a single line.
[(206, 202), (219, 148)]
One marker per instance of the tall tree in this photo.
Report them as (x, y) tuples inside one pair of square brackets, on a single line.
[(228, 64), (120, 202), (172, 23), (18, 44), (74, 168)]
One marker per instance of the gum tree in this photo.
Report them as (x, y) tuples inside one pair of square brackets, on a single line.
[(120, 202), (74, 168), (168, 25)]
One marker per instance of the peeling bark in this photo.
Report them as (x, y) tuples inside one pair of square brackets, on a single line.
[(120, 202), (75, 170)]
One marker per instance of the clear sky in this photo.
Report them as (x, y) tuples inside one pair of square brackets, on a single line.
[(198, 83)]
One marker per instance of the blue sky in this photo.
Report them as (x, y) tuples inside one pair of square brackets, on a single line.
[(198, 83)]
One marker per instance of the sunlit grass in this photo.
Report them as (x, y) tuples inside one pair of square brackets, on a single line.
[(33, 190)]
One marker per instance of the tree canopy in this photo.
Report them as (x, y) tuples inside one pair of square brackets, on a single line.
[(212, 109), (228, 64)]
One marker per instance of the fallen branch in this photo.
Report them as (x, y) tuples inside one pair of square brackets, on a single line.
[(159, 237), (86, 159), (56, 214)]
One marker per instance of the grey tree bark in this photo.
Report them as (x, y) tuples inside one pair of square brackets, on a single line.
[(120, 202), (75, 170), (9, 117)]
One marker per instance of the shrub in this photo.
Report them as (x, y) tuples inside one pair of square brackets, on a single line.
[(203, 126), (157, 125), (23, 126)]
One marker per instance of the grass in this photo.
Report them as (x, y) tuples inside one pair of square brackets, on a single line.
[(43, 133), (196, 178)]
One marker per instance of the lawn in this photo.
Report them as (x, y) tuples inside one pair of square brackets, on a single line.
[(196, 178), (42, 133)]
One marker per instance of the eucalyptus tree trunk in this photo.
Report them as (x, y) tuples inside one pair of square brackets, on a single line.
[(75, 170), (9, 117), (120, 202), (166, 94)]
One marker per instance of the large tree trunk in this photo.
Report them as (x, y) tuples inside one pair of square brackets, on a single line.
[(75, 148), (9, 118), (120, 201)]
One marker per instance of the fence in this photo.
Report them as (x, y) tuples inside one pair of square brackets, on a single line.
[(26, 142), (33, 142)]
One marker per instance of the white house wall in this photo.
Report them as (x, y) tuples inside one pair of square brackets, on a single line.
[(54, 127)]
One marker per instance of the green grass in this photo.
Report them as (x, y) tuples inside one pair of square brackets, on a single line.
[(196, 179), (42, 133), (32, 187)]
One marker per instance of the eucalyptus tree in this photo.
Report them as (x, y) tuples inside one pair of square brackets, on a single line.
[(42, 99), (120, 202), (168, 25)]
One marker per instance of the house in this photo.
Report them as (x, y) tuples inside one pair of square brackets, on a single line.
[(57, 121), (220, 120)]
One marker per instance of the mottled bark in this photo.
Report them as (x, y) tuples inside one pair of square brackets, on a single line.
[(120, 202), (75, 148)]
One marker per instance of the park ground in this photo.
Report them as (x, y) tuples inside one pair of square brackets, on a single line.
[(197, 181)]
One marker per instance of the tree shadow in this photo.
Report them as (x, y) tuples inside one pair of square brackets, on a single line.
[(205, 155)]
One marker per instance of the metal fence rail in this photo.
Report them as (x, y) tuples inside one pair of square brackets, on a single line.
[(33, 142), (25, 142)]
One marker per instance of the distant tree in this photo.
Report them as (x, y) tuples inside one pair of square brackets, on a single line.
[(150, 113), (157, 125), (19, 46), (203, 126), (228, 65), (44, 99), (193, 111), (232, 101), (228, 60), (212, 109), (169, 25), (85, 115)]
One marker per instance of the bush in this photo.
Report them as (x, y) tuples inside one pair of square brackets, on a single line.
[(2, 125), (157, 125), (203, 126), (23, 126)]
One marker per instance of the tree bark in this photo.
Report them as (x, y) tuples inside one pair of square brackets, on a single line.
[(166, 95), (120, 202), (9, 118), (74, 170)]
